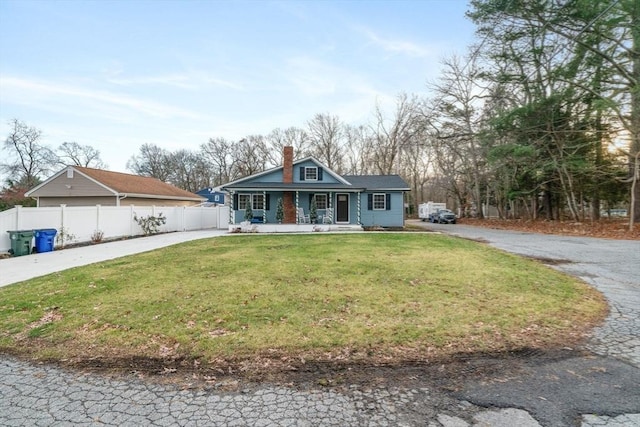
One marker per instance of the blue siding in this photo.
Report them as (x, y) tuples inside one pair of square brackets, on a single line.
[(275, 176), (271, 212), (393, 217), (326, 177), (212, 196)]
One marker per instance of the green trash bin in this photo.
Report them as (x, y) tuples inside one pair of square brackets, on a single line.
[(20, 242)]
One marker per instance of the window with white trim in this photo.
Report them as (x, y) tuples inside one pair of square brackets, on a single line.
[(258, 201), (379, 201), (243, 201), (321, 201), (310, 173)]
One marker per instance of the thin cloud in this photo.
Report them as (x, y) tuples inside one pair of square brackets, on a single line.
[(403, 47), (179, 81), (61, 93), (312, 77), (182, 81)]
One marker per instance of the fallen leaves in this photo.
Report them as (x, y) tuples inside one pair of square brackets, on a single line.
[(604, 228)]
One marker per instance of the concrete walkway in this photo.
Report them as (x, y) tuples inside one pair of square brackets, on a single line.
[(17, 269)]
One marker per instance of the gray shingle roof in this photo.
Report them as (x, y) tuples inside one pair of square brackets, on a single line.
[(378, 182)]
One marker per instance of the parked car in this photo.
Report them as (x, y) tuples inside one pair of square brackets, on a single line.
[(443, 216)]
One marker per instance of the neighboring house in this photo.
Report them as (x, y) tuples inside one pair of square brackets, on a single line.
[(80, 186), (213, 195), (364, 200)]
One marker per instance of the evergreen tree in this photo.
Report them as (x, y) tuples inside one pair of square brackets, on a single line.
[(313, 211), (248, 213), (280, 211)]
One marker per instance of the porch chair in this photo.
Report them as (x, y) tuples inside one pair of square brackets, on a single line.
[(328, 216), (302, 218)]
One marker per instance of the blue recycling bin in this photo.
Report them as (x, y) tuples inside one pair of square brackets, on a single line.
[(45, 239)]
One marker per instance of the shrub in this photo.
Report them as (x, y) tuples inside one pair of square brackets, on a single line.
[(150, 224), (97, 236), (64, 236)]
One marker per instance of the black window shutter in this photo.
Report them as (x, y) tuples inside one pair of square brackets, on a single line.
[(319, 174), (267, 204), (301, 173), (388, 196), (310, 199), (369, 201), (235, 201)]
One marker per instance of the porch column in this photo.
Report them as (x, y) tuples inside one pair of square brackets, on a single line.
[(297, 202), (264, 205), (359, 220), (232, 215)]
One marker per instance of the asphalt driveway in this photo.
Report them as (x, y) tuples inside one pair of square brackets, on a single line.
[(561, 392), (611, 266)]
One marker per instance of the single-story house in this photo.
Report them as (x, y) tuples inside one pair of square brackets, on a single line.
[(81, 186), (358, 200)]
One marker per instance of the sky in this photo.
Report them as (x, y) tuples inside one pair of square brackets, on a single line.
[(116, 74)]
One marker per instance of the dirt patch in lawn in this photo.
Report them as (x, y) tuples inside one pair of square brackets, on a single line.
[(399, 367), (447, 373)]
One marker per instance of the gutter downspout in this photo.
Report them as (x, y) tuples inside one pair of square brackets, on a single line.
[(118, 198)]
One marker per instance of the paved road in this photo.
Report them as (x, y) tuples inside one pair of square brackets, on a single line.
[(587, 391)]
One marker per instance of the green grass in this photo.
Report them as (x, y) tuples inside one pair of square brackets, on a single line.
[(235, 297)]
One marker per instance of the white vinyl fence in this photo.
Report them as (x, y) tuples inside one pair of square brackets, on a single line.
[(82, 222)]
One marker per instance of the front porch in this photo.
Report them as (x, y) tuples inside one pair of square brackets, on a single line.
[(248, 227)]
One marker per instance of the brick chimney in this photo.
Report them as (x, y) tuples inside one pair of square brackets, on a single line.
[(287, 165), (287, 178)]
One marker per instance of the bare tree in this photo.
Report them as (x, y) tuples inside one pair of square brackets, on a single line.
[(189, 170), (326, 133), (249, 154), (396, 134), (72, 153), (358, 150), (27, 158), (459, 115), (218, 154), (152, 161), (278, 138)]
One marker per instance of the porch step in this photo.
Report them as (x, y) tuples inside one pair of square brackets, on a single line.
[(345, 228)]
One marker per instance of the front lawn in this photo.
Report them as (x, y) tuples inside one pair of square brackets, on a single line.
[(365, 296)]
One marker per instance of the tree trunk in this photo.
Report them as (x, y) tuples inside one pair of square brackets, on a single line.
[(634, 148)]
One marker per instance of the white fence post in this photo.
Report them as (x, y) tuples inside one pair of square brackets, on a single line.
[(62, 225), (131, 220), (18, 216), (97, 217), (183, 220)]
